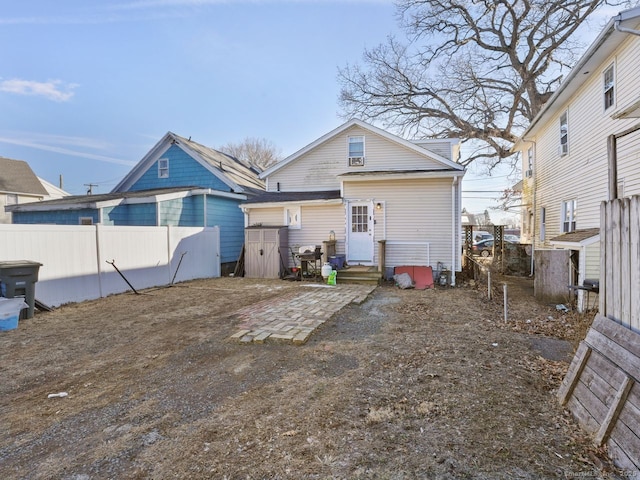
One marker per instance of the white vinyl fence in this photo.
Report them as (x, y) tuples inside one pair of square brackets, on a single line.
[(74, 258)]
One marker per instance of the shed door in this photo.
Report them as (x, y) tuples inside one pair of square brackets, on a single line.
[(360, 232)]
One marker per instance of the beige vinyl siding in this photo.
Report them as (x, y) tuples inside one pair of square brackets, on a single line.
[(592, 261), (319, 168), (316, 220), (629, 164), (582, 174), (415, 210), (270, 217)]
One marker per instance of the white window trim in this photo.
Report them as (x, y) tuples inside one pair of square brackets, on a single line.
[(611, 67), (356, 161), (163, 171), (568, 207), (292, 217), (564, 147)]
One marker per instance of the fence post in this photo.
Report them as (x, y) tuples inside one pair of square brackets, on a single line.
[(489, 284), (504, 289)]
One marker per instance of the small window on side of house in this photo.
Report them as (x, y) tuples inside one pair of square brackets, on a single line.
[(564, 134), (163, 168), (569, 216), (85, 221), (543, 223), (609, 87), (356, 151), (292, 217)]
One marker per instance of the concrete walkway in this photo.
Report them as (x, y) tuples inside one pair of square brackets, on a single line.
[(292, 318)]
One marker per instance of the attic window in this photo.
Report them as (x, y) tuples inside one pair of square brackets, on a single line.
[(163, 168), (356, 151)]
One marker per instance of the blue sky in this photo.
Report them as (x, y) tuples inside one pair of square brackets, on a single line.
[(87, 88)]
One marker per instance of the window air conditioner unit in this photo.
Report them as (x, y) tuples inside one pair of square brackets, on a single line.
[(356, 161), (528, 173), (563, 149)]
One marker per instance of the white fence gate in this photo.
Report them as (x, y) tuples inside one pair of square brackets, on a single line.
[(74, 258)]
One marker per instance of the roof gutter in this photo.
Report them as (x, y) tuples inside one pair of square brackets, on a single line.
[(622, 29)]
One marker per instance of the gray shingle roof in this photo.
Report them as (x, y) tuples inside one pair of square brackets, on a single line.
[(230, 166), (269, 197), (577, 236), (16, 176)]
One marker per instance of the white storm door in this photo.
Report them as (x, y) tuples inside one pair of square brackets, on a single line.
[(360, 232)]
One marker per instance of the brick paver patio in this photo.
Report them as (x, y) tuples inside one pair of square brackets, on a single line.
[(293, 317)]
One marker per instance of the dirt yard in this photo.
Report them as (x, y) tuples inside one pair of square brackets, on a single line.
[(409, 384)]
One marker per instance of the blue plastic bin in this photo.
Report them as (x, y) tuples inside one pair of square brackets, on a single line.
[(337, 261)]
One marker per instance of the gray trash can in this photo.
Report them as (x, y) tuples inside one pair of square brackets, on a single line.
[(18, 278)]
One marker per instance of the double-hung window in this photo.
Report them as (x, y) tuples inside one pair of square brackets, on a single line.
[(356, 151), (564, 134), (569, 216), (163, 168), (609, 87)]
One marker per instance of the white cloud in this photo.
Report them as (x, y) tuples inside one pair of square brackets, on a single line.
[(44, 142), (55, 90)]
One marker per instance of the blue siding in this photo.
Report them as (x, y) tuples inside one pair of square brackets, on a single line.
[(225, 213), (59, 217), (183, 212), (143, 214), (184, 171)]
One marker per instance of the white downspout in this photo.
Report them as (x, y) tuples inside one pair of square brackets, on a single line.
[(535, 197), (455, 214), (622, 29)]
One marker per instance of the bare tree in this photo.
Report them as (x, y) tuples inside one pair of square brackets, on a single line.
[(476, 70), (257, 153)]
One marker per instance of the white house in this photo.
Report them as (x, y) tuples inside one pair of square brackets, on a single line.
[(18, 185), (583, 148), (362, 185)]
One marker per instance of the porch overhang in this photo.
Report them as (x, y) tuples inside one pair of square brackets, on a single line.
[(577, 239)]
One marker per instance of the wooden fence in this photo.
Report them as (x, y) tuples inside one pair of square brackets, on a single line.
[(620, 261), (601, 387), (74, 257)]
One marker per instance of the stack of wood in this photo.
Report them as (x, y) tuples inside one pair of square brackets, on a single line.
[(601, 390)]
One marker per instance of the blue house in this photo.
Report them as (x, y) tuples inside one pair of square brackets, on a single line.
[(179, 182)]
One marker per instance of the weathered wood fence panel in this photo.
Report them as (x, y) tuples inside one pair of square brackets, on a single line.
[(601, 387), (620, 261), (601, 390)]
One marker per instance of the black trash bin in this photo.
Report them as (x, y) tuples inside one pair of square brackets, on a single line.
[(18, 278)]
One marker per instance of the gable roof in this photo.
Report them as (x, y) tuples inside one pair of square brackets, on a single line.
[(365, 126), (17, 177), (615, 32), (226, 168)]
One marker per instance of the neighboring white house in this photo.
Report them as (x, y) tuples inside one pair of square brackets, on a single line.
[(362, 185), (18, 184), (567, 168)]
